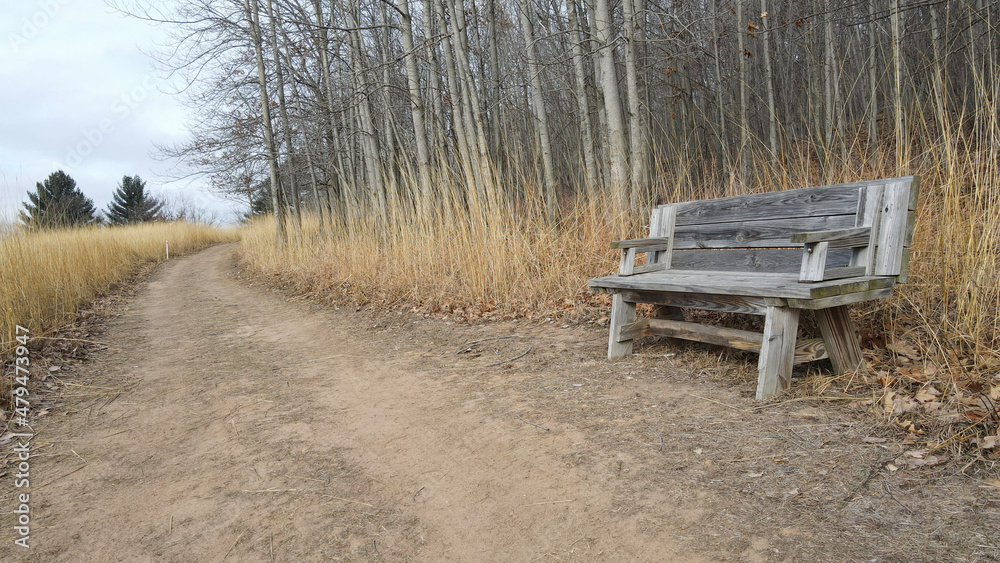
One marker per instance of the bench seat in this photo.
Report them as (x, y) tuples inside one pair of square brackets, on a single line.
[(785, 286)]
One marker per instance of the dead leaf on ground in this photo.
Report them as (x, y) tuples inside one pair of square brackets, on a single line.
[(873, 440), (927, 394), (904, 348), (987, 442)]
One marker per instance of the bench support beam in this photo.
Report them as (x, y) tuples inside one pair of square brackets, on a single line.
[(622, 313), (777, 352), (840, 338)]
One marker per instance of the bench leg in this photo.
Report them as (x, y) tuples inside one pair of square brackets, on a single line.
[(622, 313), (840, 338), (777, 353)]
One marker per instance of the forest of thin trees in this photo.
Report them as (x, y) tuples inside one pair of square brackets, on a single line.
[(418, 108)]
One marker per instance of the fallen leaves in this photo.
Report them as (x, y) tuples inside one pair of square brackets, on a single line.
[(919, 458)]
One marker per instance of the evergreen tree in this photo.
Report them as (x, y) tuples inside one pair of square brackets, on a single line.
[(260, 202), (132, 204), (56, 203)]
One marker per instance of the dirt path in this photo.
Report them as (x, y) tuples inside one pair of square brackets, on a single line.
[(229, 423)]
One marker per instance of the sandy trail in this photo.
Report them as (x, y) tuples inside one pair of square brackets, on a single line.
[(258, 429), (229, 423)]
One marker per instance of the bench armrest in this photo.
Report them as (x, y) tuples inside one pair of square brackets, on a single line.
[(843, 238), (653, 244), (814, 249), (631, 247)]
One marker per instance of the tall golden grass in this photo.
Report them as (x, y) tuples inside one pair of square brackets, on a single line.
[(46, 276)]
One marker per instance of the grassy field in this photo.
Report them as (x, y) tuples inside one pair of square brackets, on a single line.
[(46, 276)]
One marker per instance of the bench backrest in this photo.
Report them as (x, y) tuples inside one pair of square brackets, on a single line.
[(751, 233)]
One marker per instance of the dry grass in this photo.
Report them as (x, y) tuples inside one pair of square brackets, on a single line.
[(512, 265), (46, 276)]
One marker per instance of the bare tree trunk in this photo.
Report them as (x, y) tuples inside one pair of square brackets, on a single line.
[(469, 90), (940, 95), (772, 115), (872, 77), (369, 139), (586, 128), (601, 141), (721, 136), (434, 87), (416, 108), (277, 197), (495, 102), (897, 93), (741, 33), (538, 108), (467, 160), (618, 153), (338, 168), (308, 151), (637, 123), (275, 16), (391, 164)]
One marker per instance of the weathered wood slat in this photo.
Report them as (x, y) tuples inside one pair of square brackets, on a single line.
[(839, 238), (731, 337), (806, 202), (627, 263), (642, 244), (661, 224), (869, 213), (622, 314), (809, 350), (837, 300), (914, 182), (751, 285), (774, 233), (911, 225), (777, 353), (725, 303), (840, 338), (843, 272), (646, 268), (892, 231), (814, 262), (762, 260)]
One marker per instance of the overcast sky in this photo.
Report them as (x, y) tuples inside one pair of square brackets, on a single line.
[(80, 94)]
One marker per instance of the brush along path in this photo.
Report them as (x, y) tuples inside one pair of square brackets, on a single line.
[(228, 423), (263, 428)]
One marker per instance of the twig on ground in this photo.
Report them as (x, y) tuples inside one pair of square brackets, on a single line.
[(531, 423), (873, 470), (469, 346), (657, 435), (236, 542), (548, 502), (714, 401), (507, 361), (69, 340), (798, 399)]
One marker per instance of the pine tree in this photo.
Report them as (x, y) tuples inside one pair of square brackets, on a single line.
[(56, 203), (131, 203)]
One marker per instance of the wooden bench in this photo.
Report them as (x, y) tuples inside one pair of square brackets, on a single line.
[(770, 254)]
